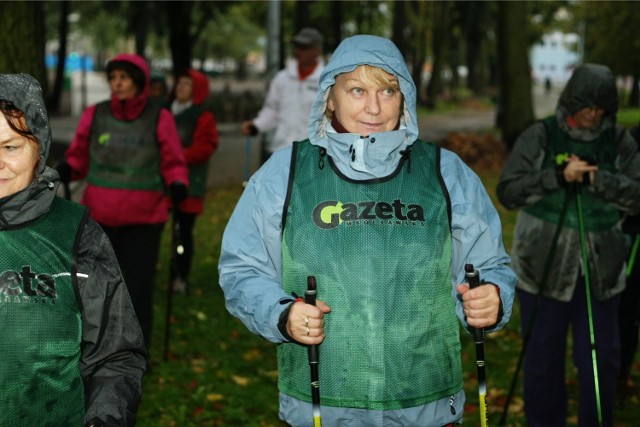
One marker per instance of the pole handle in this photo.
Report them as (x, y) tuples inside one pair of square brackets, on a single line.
[(473, 278)]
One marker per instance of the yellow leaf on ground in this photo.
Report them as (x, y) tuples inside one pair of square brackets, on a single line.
[(253, 354), (214, 397), (242, 381)]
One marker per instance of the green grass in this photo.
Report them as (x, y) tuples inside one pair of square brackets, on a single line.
[(629, 117), (219, 374)]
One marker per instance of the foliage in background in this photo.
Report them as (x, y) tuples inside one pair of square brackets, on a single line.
[(611, 38)]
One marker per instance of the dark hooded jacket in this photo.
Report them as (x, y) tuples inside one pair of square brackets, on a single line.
[(524, 181), (113, 355)]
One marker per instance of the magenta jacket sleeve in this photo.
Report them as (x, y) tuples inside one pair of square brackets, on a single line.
[(77, 155), (173, 165)]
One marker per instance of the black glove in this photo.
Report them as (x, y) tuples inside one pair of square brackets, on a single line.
[(562, 181), (64, 170), (177, 192)]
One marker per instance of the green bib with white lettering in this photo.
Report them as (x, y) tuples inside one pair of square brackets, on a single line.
[(41, 330), (381, 254)]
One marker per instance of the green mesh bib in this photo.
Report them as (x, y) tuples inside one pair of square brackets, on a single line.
[(41, 328), (186, 123), (381, 253), (598, 214), (125, 154)]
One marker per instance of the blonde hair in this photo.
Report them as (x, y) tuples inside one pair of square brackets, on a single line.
[(376, 75), (372, 75)]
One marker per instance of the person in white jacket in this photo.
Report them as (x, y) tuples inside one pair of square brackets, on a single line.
[(287, 106)]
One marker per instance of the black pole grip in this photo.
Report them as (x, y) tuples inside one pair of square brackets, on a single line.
[(473, 278)]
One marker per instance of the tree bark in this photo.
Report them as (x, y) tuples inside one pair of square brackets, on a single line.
[(22, 39), (336, 26), (180, 41), (515, 109), (58, 83), (398, 26), (140, 25), (440, 42)]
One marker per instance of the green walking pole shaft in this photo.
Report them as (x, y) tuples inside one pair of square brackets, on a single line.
[(587, 281), (633, 255)]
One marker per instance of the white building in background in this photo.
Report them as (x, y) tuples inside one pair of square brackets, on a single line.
[(554, 58)]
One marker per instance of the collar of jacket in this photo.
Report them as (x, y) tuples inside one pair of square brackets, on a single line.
[(128, 109), (30, 203), (361, 158)]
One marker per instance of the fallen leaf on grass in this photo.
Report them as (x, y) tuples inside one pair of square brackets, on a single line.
[(214, 397), (251, 355), (269, 374), (199, 315), (197, 366), (241, 381)]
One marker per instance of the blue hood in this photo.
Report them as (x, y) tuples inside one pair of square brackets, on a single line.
[(351, 53)]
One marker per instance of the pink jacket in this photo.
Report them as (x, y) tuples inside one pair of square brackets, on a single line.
[(115, 207)]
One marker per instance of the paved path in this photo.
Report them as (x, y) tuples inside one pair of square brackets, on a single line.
[(229, 162)]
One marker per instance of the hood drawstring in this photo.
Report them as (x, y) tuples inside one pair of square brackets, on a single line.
[(406, 155), (323, 153)]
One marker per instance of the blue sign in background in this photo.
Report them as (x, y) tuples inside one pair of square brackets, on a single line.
[(74, 62)]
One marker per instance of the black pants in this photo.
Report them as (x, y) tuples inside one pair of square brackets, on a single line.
[(186, 221), (136, 248)]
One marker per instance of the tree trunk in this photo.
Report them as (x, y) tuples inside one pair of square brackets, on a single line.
[(475, 35), (398, 27), (440, 40), (515, 109), (420, 20), (301, 13), (336, 27), (180, 42), (58, 83), (22, 39), (141, 24)]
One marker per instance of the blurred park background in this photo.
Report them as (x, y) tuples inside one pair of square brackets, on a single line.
[(485, 70)]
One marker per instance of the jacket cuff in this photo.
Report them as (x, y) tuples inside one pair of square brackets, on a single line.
[(282, 321)]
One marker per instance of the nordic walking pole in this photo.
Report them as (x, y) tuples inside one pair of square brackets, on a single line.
[(587, 282), (174, 273), (247, 158), (633, 255), (473, 277), (313, 354), (532, 317)]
